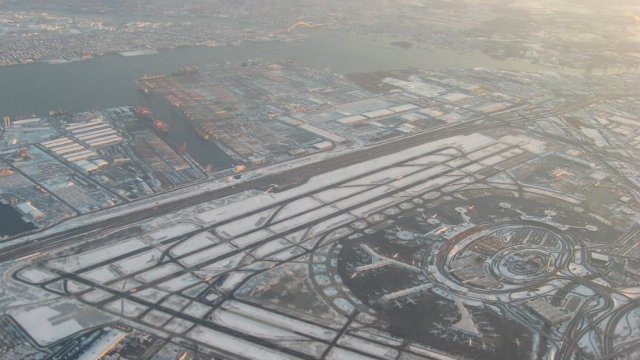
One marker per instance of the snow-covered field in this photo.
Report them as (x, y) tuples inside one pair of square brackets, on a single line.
[(195, 260)]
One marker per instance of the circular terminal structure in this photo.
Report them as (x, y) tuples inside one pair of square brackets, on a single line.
[(440, 273), (499, 259)]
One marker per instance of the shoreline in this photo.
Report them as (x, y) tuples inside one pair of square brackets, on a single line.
[(390, 41)]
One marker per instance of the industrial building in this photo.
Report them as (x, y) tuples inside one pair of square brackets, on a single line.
[(550, 314)]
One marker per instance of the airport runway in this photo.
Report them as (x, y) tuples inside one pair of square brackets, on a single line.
[(300, 174)]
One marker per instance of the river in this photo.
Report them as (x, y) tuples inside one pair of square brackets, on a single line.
[(11, 222), (109, 81)]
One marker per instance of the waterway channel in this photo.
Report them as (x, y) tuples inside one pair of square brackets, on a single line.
[(109, 81)]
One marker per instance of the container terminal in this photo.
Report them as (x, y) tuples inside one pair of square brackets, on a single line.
[(56, 167), (268, 113)]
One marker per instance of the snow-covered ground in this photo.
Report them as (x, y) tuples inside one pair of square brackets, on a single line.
[(210, 250), (48, 323), (74, 263), (234, 345)]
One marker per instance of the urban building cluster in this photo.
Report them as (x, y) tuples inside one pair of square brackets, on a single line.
[(63, 165), (569, 34)]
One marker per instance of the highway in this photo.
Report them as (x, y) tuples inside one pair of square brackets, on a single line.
[(608, 349)]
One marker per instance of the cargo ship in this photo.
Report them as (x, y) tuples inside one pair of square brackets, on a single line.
[(144, 88), (202, 135), (161, 126), (183, 71), (152, 77), (142, 113), (58, 112)]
